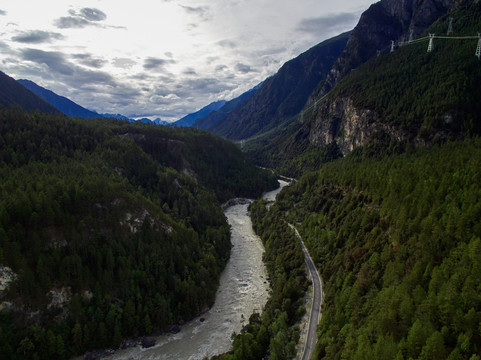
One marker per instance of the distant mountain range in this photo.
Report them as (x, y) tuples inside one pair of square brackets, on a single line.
[(157, 121), (70, 108)]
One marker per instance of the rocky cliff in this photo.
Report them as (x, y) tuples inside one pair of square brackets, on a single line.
[(342, 122)]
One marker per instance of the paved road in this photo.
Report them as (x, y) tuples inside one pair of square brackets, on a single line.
[(311, 339)]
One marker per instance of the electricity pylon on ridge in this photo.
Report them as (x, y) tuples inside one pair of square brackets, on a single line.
[(431, 43), (450, 28), (411, 35)]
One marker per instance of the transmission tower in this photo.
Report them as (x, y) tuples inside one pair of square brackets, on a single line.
[(431, 43), (411, 35), (478, 48), (450, 28)]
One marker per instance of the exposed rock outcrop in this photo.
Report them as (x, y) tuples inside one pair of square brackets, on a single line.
[(343, 123), (340, 121), (7, 276)]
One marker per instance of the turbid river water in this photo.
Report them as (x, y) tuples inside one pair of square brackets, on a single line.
[(243, 289)]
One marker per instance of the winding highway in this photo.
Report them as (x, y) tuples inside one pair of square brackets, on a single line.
[(311, 338)]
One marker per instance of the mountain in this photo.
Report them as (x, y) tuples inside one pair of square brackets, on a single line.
[(387, 200), (283, 95), (66, 106), (215, 117), (115, 116), (14, 94), (157, 121), (190, 119), (383, 22), (392, 101)]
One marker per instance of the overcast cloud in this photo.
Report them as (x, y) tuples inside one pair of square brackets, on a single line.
[(37, 37), (162, 58)]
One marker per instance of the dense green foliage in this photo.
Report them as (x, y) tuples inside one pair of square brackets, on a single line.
[(275, 331), (118, 218), (397, 240)]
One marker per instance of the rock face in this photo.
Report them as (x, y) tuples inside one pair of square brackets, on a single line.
[(341, 122), (387, 20), (7, 276)]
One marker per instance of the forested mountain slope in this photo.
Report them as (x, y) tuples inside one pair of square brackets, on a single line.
[(109, 229), (14, 94), (397, 240), (283, 95), (405, 98)]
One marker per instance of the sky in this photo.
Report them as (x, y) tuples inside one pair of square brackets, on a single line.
[(161, 58)]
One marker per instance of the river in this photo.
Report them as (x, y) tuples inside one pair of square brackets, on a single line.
[(243, 289)]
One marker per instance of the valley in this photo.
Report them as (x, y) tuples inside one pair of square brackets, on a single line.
[(243, 289), (111, 231)]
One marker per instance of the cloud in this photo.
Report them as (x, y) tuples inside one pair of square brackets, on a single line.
[(90, 60), (243, 68), (221, 67), (123, 63), (81, 19), (71, 22), (67, 72), (92, 14), (227, 44), (54, 60), (201, 11), (164, 100), (189, 71), (204, 85), (324, 24), (37, 37), (158, 64), (4, 46)]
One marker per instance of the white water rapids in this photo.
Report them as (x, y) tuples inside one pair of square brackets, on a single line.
[(243, 289)]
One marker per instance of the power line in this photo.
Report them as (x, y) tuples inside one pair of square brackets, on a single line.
[(392, 47)]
